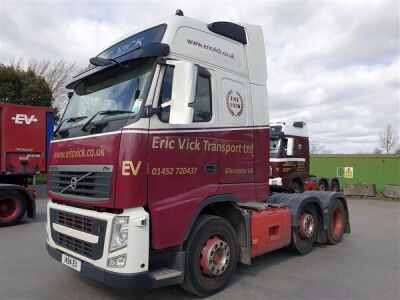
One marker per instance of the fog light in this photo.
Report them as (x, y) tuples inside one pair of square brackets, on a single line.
[(117, 262)]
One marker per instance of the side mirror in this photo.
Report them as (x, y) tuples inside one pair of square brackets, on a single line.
[(290, 144), (183, 93), (69, 94)]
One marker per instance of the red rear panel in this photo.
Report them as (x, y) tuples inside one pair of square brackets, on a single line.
[(23, 139), (270, 230)]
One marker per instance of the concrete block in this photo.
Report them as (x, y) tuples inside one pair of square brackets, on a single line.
[(360, 189), (392, 191)]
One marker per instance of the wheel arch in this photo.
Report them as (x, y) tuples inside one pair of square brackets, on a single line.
[(296, 202), (226, 206)]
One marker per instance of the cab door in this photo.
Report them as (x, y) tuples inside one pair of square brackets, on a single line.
[(181, 172), (236, 159)]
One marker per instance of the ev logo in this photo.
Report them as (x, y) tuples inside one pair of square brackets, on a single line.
[(129, 169), (21, 119)]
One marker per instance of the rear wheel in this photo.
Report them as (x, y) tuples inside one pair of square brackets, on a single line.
[(335, 186), (212, 254), (337, 220), (322, 185), (304, 236), (12, 208)]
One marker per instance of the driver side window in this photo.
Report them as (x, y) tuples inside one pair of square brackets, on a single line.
[(202, 103), (166, 92)]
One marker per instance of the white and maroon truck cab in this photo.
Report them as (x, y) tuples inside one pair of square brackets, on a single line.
[(158, 172), (290, 159), (289, 154)]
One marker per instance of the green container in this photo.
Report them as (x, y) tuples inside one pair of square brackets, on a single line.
[(378, 169)]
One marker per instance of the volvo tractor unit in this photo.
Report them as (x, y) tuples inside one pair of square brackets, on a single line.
[(290, 160), (158, 173)]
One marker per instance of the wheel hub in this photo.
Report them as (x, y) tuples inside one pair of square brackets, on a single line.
[(8, 209), (214, 257), (337, 222), (3, 208), (306, 226)]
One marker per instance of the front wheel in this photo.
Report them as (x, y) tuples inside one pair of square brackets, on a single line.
[(212, 254), (12, 208), (305, 234)]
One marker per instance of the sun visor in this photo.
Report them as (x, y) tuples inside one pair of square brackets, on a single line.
[(145, 51)]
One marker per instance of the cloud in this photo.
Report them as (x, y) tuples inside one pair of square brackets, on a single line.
[(334, 64)]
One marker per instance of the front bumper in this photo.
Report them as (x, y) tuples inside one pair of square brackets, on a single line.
[(118, 280), (91, 245)]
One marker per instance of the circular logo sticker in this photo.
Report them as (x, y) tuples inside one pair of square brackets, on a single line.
[(234, 103)]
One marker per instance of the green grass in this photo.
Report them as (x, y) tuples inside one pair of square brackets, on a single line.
[(41, 179)]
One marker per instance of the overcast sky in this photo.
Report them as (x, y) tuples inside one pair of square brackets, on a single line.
[(334, 64)]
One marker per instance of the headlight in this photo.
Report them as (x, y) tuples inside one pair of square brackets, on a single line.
[(119, 233)]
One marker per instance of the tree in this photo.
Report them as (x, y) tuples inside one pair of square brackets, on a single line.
[(57, 74), (377, 151), (23, 87), (316, 147), (388, 138)]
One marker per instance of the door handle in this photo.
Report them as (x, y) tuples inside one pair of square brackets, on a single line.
[(211, 169)]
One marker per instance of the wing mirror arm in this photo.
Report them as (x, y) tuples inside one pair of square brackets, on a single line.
[(150, 110)]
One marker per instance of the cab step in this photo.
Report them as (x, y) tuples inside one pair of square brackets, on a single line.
[(164, 276)]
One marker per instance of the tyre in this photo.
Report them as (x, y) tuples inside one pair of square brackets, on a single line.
[(305, 234), (335, 186), (296, 187), (337, 222), (12, 208), (212, 253), (322, 186)]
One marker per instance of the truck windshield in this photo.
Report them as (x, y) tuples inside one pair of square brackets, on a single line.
[(119, 88), (274, 145)]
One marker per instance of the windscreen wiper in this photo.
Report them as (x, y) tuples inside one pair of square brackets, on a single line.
[(69, 120), (105, 112)]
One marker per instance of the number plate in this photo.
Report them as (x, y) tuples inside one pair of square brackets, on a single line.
[(71, 262)]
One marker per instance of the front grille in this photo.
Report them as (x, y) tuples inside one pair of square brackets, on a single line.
[(92, 183), (74, 244), (74, 221), (86, 224)]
